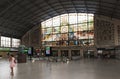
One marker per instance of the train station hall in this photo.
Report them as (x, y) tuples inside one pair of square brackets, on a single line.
[(59, 39)]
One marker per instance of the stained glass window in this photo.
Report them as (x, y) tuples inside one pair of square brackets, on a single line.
[(68, 29)]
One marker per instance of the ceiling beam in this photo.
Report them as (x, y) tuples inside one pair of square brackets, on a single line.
[(12, 22), (74, 6), (115, 8), (60, 2), (9, 31), (36, 5), (21, 19), (50, 5), (14, 13), (99, 6), (9, 7), (86, 6), (27, 16)]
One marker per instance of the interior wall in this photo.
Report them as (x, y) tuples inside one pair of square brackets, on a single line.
[(107, 31), (32, 37)]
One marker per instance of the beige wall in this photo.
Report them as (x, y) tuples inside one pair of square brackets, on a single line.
[(106, 31)]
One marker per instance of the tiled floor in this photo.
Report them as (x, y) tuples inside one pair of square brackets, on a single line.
[(83, 69)]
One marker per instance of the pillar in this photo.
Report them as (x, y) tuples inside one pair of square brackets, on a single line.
[(0, 40), (95, 54), (59, 53), (11, 42), (69, 54), (40, 36), (81, 52)]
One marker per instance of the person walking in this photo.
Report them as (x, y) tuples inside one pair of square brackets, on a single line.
[(12, 63)]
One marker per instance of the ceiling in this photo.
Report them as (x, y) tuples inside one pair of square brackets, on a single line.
[(19, 16)]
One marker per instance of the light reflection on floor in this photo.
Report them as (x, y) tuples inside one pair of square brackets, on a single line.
[(83, 69)]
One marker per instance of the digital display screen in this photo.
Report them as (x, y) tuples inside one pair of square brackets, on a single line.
[(29, 51), (48, 51)]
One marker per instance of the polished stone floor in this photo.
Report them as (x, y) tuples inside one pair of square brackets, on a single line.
[(82, 69)]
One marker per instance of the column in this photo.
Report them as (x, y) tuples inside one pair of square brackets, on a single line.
[(11, 42), (29, 36), (40, 36), (59, 53), (81, 53), (0, 39), (69, 54), (116, 38), (95, 54)]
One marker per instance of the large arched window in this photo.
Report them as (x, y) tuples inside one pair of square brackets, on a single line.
[(68, 29)]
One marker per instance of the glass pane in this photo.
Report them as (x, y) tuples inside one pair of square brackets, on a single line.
[(44, 31), (15, 42), (83, 35), (64, 36), (71, 35), (79, 28), (75, 36), (72, 28), (72, 18), (43, 24), (56, 29), (90, 17), (64, 19), (49, 23), (56, 21), (5, 41), (56, 37), (64, 29), (82, 27), (82, 17), (48, 37), (91, 34), (91, 26), (49, 30)]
